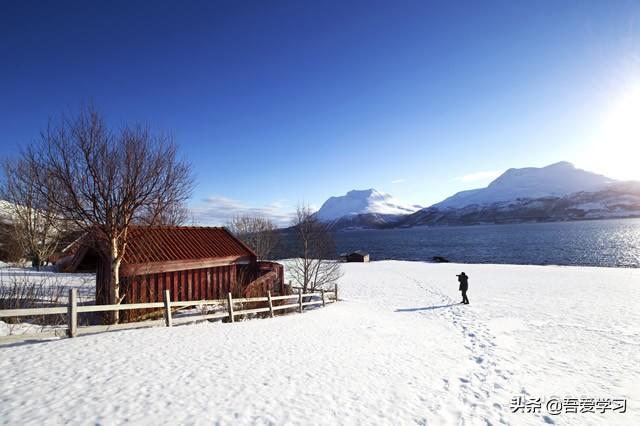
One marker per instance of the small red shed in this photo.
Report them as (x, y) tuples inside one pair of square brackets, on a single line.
[(193, 263)]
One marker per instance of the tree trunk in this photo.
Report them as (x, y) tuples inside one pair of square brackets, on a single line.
[(114, 288)]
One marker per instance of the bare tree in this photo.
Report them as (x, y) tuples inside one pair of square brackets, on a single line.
[(105, 181), (10, 249), (166, 213), (315, 266), (257, 232), (33, 220)]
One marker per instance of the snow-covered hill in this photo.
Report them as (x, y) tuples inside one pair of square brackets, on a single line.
[(556, 180), (363, 209)]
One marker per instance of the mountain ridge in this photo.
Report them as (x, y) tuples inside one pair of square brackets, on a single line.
[(557, 179), (556, 192), (616, 201)]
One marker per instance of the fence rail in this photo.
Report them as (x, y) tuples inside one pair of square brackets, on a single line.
[(73, 309)]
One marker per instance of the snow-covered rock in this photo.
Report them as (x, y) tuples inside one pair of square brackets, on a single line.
[(556, 180), (363, 208)]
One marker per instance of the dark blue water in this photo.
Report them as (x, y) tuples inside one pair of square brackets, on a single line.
[(589, 243)]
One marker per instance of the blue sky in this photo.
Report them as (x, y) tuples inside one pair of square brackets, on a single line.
[(276, 103)]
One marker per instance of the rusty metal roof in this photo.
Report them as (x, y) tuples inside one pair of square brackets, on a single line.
[(158, 244), (162, 243)]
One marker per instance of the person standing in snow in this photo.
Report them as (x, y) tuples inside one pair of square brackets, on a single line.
[(463, 279)]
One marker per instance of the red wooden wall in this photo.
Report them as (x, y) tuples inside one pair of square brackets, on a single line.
[(193, 284)]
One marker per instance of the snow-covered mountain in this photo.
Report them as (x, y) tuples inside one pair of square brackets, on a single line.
[(532, 194), (556, 180), (367, 208), (617, 200), (362, 202)]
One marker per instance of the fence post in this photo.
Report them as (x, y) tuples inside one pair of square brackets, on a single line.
[(300, 300), (322, 293), (72, 313), (230, 304), (167, 309), (336, 291), (270, 303)]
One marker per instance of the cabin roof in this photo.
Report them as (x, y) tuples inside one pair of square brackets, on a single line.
[(168, 243), (148, 245)]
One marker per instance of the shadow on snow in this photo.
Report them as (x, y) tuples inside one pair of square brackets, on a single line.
[(428, 308)]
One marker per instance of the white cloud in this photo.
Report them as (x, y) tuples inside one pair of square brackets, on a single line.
[(477, 176), (398, 181), (220, 210)]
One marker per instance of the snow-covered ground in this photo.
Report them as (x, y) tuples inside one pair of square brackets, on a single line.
[(42, 288), (397, 350), (46, 277)]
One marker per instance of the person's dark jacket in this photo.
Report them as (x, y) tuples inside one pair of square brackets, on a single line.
[(464, 283)]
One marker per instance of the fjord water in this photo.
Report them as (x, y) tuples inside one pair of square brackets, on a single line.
[(587, 243)]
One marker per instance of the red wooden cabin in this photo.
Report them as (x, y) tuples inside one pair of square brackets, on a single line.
[(193, 263)]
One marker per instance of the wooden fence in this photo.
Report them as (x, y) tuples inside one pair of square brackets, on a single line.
[(73, 309)]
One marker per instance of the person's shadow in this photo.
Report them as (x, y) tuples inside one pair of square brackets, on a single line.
[(428, 308)]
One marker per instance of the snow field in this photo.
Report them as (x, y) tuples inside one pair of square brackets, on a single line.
[(397, 350), (84, 282)]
